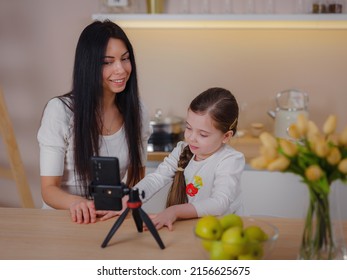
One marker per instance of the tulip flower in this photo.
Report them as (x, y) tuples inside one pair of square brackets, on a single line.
[(293, 131), (289, 148), (302, 124), (312, 139), (268, 153), (279, 164), (309, 153), (334, 156), (343, 166), (268, 140), (343, 137), (321, 148), (259, 162), (330, 125), (313, 173), (312, 128)]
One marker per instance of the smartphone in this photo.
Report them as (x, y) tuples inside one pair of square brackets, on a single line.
[(105, 171), (106, 187)]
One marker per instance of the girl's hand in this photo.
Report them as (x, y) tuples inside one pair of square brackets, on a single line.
[(83, 211), (172, 214), (164, 218)]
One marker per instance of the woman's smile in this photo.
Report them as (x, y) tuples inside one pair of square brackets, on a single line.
[(118, 82)]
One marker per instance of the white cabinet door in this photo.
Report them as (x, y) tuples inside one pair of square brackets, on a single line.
[(283, 195)]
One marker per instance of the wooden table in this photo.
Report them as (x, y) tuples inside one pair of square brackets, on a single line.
[(50, 234)]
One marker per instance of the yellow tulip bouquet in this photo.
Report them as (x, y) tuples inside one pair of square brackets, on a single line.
[(319, 157)]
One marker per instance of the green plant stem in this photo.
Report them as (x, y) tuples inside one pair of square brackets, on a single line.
[(317, 241)]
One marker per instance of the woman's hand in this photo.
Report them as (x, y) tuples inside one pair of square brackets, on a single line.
[(83, 211)]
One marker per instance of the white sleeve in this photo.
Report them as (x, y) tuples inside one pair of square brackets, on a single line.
[(52, 137), (226, 189), (162, 176)]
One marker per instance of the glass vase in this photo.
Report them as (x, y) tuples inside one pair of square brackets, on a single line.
[(323, 237)]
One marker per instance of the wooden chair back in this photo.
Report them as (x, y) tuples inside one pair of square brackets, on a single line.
[(16, 171)]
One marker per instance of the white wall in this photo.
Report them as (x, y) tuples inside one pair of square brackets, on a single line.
[(37, 42), (176, 65), (38, 39)]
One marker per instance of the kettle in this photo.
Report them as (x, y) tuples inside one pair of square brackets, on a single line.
[(290, 103)]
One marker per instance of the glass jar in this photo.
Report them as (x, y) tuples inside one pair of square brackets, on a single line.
[(335, 7)]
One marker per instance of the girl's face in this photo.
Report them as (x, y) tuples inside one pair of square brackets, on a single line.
[(202, 136), (117, 67)]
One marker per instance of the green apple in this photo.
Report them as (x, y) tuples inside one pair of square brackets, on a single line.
[(209, 227), (231, 220), (217, 252), (255, 252), (235, 241), (254, 232), (207, 244)]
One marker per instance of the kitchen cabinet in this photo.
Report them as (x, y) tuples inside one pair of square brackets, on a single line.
[(281, 194), (269, 193), (231, 21)]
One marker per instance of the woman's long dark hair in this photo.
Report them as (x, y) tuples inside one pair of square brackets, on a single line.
[(222, 107), (86, 97)]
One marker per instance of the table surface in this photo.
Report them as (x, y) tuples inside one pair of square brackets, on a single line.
[(50, 234)]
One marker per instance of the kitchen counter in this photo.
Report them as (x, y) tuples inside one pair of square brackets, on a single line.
[(247, 145)]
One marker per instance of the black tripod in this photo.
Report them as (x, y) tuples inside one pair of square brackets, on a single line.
[(134, 203)]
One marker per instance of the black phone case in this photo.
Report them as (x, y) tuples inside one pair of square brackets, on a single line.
[(105, 171)]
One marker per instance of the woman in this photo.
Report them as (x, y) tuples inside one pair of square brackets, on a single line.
[(101, 116)]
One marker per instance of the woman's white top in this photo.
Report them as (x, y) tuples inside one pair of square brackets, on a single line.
[(214, 183), (55, 138)]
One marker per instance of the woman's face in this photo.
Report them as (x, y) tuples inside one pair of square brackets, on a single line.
[(116, 67), (202, 136)]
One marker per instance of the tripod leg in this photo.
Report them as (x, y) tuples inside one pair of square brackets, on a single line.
[(114, 228), (148, 222), (137, 219)]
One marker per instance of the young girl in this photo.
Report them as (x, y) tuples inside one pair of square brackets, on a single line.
[(204, 170)]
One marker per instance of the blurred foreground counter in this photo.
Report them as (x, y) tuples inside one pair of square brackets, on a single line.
[(247, 145), (37, 234)]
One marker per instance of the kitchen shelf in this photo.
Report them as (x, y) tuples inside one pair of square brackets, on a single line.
[(226, 21)]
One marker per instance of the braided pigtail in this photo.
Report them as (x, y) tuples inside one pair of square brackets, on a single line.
[(177, 194)]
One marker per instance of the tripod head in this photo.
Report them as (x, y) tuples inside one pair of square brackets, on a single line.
[(134, 198)]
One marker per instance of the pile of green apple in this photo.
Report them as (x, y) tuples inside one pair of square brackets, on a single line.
[(226, 238)]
